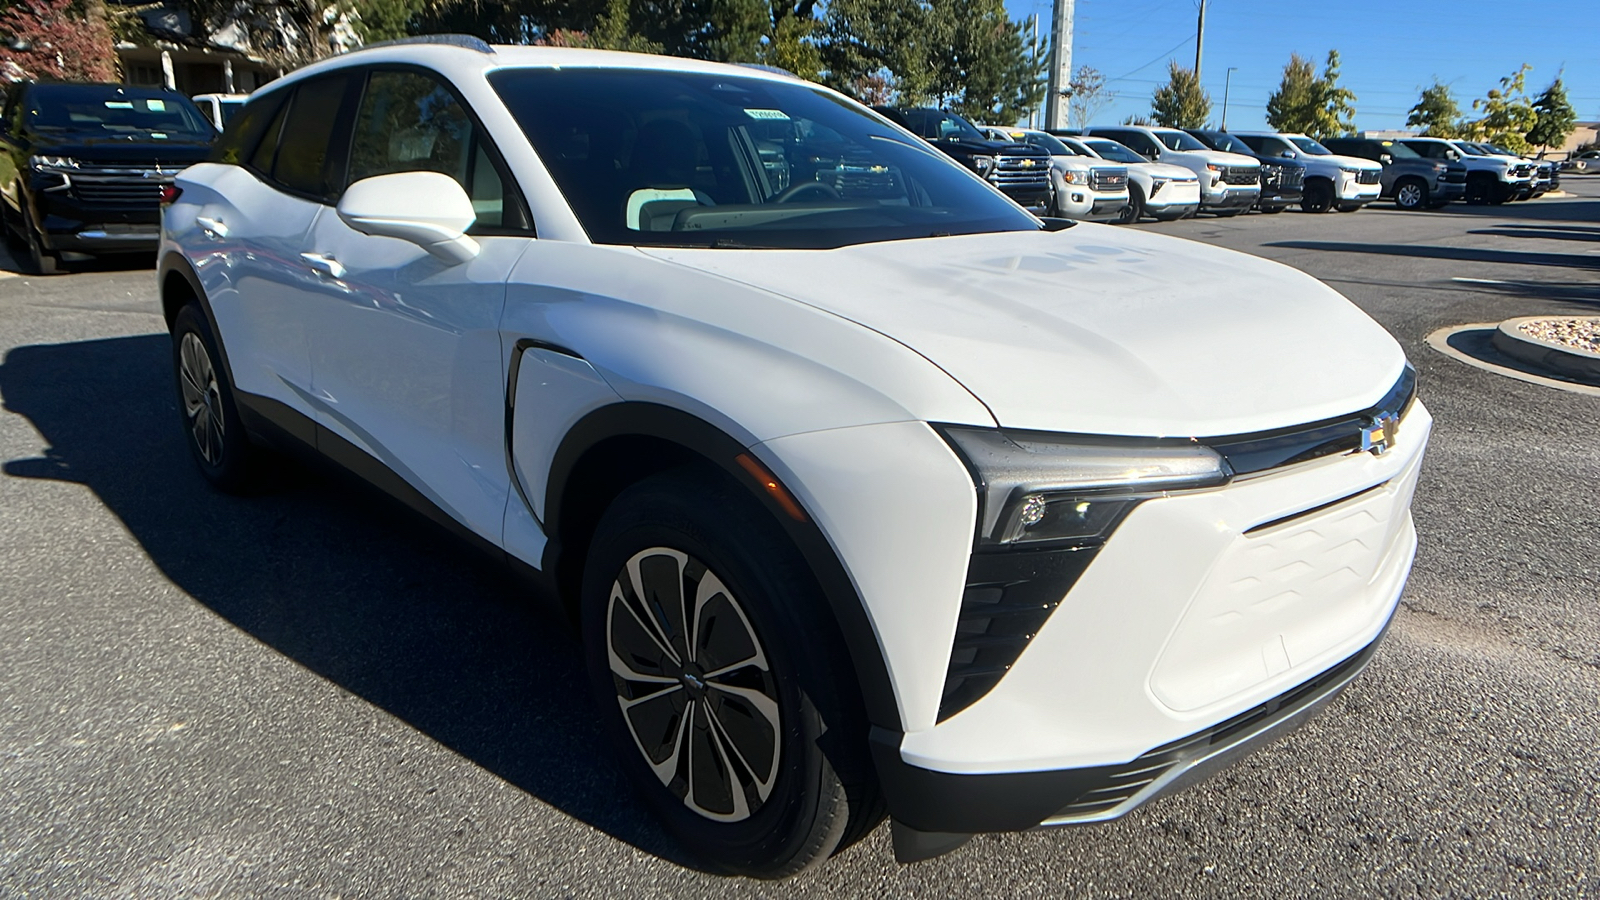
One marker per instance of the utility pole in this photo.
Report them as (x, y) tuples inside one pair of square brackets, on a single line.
[(1055, 102), (1227, 82), (1199, 40)]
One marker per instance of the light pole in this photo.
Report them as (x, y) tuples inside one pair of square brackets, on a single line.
[(1227, 82)]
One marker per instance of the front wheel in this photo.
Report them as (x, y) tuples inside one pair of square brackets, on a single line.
[(40, 260), (1317, 197), (1134, 211), (717, 670), (1411, 194)]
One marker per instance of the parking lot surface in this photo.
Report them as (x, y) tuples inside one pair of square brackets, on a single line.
[(311, 693)]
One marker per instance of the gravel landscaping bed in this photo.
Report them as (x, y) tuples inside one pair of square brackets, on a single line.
[(1577, 333)]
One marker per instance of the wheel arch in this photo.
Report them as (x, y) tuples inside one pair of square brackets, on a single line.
[(618, 445), (179, 285)]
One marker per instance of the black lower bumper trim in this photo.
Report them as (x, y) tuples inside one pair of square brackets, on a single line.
[(942, 802)]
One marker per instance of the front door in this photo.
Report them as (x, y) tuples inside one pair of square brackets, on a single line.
[(405, 347)]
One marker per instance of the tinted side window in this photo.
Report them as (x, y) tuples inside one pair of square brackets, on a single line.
[(303, 144), (1139, 142), (267, 151), (408, 122), (245, 130)]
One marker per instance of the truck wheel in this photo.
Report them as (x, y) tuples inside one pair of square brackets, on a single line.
[(40, 260), (1411, 193), (1134, 211), (9, 229), (721, 679), (1317, 197), (1481, 186)]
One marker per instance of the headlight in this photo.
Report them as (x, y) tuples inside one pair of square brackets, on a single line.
[(1038, 488), (52, 163), (1071, 177), (983, 164), (1156, 184)]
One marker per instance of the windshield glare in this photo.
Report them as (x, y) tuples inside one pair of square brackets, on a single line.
[(1108, 149), (1232, 144), (1400, 151), (1470, 150), (1310, 146), (707, 160), (110, 111), (1179, 140), (1049, 143)]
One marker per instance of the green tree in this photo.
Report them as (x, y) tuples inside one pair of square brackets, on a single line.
[(1181, 102), (1311, 104), (1436, 112), (1507, 113), (1556, 118)]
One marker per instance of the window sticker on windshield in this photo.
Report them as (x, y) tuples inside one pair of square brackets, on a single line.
[(119, 104), (159, 135), (775, 114), (156, 105)]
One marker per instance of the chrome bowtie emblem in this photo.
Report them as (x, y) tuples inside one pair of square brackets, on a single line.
[(1378, 437)]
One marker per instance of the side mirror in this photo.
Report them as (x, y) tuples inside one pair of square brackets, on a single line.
[(1287, 154), (1386, 158), (426, 208)]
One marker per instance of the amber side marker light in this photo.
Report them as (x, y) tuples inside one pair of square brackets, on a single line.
[(774, 487)]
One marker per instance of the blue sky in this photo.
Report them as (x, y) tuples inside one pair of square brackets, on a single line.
[(1389, 50)]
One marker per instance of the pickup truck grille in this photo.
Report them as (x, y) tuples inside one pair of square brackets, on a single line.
[(1282, 177), (1021, 173), (1454, 175), (1241, 175), (124, 186), (1369, 176), (1108, 180)]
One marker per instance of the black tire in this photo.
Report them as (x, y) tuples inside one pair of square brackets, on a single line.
[(792, 716), (1134, 211), (1228, 213), (1412, 194), (1273, 210), (1317, 196), (39, 260), (1481, 187), (211, 425), (10, 230), (1349, 207)]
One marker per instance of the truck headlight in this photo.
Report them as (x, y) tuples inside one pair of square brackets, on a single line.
[(53, 164), (1038, 488), (1071, 177), (983, 164)]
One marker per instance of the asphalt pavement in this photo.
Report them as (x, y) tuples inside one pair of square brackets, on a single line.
[(311, 693)]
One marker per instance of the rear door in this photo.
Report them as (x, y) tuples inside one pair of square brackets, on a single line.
[(406, 347), (252, 220)]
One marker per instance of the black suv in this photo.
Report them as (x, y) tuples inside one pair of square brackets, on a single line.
[(1022, 171), (83, 167), (1409, 179), (1282, 180)]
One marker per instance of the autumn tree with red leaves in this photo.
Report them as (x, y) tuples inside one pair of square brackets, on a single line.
[(60, 42)]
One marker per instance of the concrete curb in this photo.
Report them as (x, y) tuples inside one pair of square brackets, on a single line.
[(1569, 361)]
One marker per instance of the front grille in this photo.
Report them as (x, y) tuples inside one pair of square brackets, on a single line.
[(1241, 175), (1247, 454), (1021, 173), (1109, 180), (1369, 176), (1123, 782), (118, 192), (1455, 176)]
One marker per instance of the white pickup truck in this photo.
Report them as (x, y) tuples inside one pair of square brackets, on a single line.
[(1086, 187), (1229, 183), (1345, 183), (1163, 191), (1490, 178)]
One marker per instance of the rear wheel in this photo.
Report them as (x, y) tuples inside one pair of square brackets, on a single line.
[(211, 425), (1134, 211), (717, 669), (1411, 193), (1317, 197)]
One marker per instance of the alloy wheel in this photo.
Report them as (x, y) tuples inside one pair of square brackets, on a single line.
[(693, 683), (202, 399), (1409, 196)]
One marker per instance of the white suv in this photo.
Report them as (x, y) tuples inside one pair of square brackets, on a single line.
[(1345, 183), (1086, 187), (871, 492), (1229, 182), (1155, 189)]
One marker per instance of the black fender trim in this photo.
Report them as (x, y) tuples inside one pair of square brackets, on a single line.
[(707, 441)]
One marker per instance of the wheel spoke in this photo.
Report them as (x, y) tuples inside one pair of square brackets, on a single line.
[(639, 643), (763, 784), (648, 603)]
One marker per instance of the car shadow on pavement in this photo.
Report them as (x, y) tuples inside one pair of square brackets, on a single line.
[(378, 601), (1538, 233)]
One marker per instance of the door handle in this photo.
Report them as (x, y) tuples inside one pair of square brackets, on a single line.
[(322, 262), (212, 226)]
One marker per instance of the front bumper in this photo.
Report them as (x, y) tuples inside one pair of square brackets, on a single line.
[(67, 222), (1272, 198), (1351, 191), (940, 802), (1227, 197)]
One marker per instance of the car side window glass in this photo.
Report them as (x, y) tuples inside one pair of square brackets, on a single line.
[(301, 162), (408, 122), (267, 151), (247, 128)]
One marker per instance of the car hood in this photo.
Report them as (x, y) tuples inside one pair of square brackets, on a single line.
[(1350, 162), (1097, 329), (1217, 157), (1164, 170), (130, 150)]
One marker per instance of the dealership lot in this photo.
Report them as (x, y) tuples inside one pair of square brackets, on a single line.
[(309, 693)]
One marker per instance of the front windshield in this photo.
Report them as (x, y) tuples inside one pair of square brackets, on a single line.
[(111, 111), (941, 126), (1108, 149), (1310, 146), (1468, 149), (711, 160), (1231, 144), (1400, 151), (1049, 143), (1179, 140)]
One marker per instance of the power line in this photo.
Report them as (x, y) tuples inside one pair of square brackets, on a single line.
[(1164, 53)]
